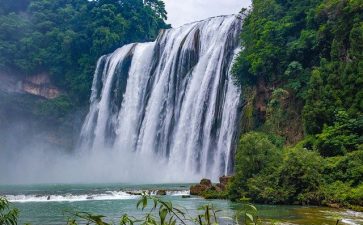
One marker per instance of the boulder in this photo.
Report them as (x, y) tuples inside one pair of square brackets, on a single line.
[(161, 192), (206, 185), (197, 189), (206, 182)]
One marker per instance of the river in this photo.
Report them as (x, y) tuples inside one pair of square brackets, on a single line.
[(50, 204)]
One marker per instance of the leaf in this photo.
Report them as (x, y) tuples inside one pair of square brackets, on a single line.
[(138, 203), (155, 204), (252, 207), (249, 216), (144, 203), (163, 213), (179, 211)]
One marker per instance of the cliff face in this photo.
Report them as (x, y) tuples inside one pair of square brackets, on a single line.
[(274, 110), (38, 85)]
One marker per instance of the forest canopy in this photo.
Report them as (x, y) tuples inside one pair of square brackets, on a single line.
[(64, 38)]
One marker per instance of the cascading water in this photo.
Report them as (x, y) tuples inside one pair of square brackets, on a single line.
[(171, 101)]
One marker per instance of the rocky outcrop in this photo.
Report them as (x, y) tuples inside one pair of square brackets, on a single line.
[(206, 185), (206, 182), (40, 85)]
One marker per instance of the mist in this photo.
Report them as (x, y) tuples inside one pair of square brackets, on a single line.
[(36, 150), (41, 163)]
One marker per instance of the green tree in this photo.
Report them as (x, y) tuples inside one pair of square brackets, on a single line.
[(65, 38), (256, 154)]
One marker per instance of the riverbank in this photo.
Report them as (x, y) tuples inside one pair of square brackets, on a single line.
[(207, 190)]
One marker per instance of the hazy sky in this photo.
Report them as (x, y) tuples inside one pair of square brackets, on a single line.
[(185, 11)]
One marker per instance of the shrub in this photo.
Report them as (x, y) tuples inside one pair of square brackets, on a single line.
[(256, 154), (301, 174), (348, 168), (8, 215)]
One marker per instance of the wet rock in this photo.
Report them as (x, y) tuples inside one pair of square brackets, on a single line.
[(161, 192), (133, 193), (48, 198), (185, 196)]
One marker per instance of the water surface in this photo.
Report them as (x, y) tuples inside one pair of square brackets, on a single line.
[(51, 204)]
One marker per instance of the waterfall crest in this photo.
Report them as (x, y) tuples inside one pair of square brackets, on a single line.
[(171, 101)]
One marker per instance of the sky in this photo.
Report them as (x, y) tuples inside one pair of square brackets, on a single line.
[(185, 11)]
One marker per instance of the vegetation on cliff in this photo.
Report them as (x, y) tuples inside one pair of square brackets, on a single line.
[(302, 67), (65, 38)]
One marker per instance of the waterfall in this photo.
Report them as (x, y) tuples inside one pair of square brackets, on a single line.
[(172, 100)]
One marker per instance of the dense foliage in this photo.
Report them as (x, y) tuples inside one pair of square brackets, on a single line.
[(8, 215), (65, 37), (305, 59)]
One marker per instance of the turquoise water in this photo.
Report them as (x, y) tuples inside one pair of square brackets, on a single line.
[(51, 204)]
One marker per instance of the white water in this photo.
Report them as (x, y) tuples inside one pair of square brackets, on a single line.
[(108, 195), (176, 115)]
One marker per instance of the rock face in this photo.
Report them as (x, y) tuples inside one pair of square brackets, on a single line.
[(40, 85)]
